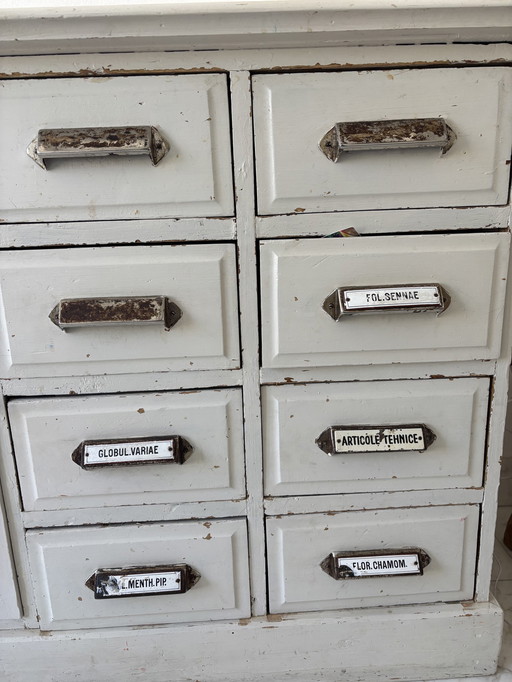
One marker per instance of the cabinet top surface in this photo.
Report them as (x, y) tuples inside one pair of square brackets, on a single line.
[(52, 26), (77, 8)]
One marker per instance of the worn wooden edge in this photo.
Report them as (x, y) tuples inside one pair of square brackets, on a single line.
[(331, 58), (331, 504), (138, 513), (438, 640)]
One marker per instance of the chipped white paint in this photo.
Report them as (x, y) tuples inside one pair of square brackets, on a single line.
[(64, 528)]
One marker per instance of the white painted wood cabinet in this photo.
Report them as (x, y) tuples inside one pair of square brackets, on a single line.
[(192, 179), (255, 336), (295, 177)]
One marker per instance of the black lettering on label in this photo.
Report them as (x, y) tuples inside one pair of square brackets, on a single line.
[(362, 566)]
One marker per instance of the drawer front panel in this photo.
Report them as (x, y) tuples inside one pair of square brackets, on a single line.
[(297, 545), (199, 279), (46, 432), (295, 416), (192, 179), (298, 276), (293, 112), (63, 561)]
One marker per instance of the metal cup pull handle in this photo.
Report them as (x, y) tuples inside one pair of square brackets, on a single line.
[(375, 563), (348, 439), (72, 143), (392, 298), (141, 581), (120, 452), (133, 310), (411, 133)]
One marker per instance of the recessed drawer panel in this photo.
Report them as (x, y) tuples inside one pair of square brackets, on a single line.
[(180, 123), (119, 436), (118, 310), (380, 162), (361, 437), (445, 537), (63, 561), (303, 324)]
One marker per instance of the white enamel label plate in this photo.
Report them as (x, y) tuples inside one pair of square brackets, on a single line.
[(385, 297), (136, 451), (386, 564), (379, 440)]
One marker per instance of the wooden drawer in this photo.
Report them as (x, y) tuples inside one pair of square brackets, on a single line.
[(297, 545), (47, 431), (199, 279), (63, 561), (298, 276), (295, 417), (293, 112), (190, 112)]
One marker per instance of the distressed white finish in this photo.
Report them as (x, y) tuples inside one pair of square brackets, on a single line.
[(294, 111), (193, 179), (383, 222), (314, 504), (46, 432), (297, 545), (463, 639), (92, 233), (63, 560), (420, 641), (108, 383), (297, 277), (414, 370), (292, 58), (295, 416), (200, 279), (9, 604), (177, 511), (248, 285)]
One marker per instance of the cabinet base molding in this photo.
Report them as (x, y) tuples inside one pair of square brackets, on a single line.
[(405, 643)]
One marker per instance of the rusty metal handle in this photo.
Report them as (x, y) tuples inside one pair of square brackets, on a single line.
[(411, 133), (93, 312), (138, 581), (71, 143)]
